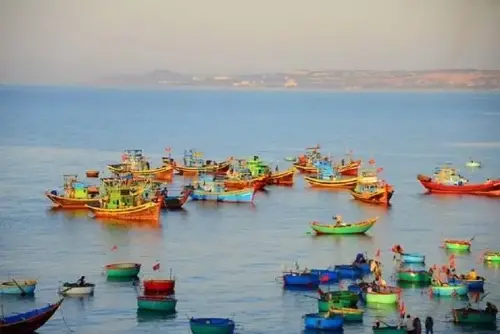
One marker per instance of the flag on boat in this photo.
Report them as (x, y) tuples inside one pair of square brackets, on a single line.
[(115, 247), (156, 267), (379, 170), (371, 161), (377, 254), (324, 278)]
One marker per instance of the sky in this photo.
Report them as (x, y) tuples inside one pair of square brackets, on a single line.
[(69, 41)]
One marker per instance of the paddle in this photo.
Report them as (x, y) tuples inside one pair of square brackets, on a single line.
[(23, 293), (312, 297), (383, 322), (474, 237)]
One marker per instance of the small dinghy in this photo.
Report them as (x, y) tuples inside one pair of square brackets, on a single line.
[(212, 325), (75, 289)]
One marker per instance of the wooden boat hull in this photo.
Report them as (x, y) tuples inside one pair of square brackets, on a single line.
[(18, 287), (477, 188), (164, 173), (285, 178), (184, 170), (155, 286), (414, 276), (148, 211), (233, 196), (355, 228), (382, 298), (176, 202), (412, 258), (28, 322), (449, 290), (349, 314), (318, 321), (350, 169), (491, 257), (306, 169), (258, 183), (212, 326), (157, 303), (473, 316), (123, 270), (457, 245), (294, 279), (379, 198), (71, 203), (348, 183), (88, 289), (326, 275)]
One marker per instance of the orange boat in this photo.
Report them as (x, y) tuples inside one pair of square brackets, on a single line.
[(133, 161), (351, 169), (92, 173), (148, 211), (194, 164), (305, 163), (370, 189), (75, 194), (258, 183), (284, 178)]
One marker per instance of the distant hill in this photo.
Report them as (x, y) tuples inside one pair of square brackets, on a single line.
[(328, 79)]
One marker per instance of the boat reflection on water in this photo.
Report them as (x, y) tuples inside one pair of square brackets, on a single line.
[(69, 214), (123, 281), (29, 298), (413, 285), (457, 251), (492, 265), (116, 224), (316, 331), (338, 237), (151, 316)]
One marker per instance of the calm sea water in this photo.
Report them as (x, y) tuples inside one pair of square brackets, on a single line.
[(226, 257)]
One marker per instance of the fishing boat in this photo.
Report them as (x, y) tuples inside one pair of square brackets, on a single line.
[(193, 164), (472, 164), (91, 173), (300, 279), (123, 269), (212, 325), (176, 202), (328, 177), (159, 286), (305, 164), (387, 295), (284, 178), (240, 177), (350, 168), (352, 228), (370, 189), (407, 258), (468, 315), (450, 289), (27, 322), (414, 276), (160, 303), (326, 275), (324, 322), (207, 190), (349, 271), (389, 330), (74, 195), (490, 256), (474, 284), (18, 287), (349, 314), (335, 299), (290, 159), (447, 180), (460, 245), (75, 289), (134, 162), (147, 211)]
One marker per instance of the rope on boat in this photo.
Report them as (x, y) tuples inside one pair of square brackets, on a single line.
[(279, 279), (64, 321)]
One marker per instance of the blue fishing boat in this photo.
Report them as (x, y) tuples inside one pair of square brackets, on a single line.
[(210, 190), (350, 271), (359, 290), (322, 322), (27, 322), (474, 284), (212, 326), (326, 275), (18, 287), (450, 289), (301, 279), (412, 258)]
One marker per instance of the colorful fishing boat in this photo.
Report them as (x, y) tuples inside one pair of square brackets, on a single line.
[(450, 289), (331, 299), (74, 195), (324, 322), (386, 295), (133, 161), (76, 289), (328, 177), (301, 279), (389, 330), (284, 178), (91, 173), (460, 245), (207, 190), (175, 202), (159, 286), (306, 162), (193, 164), (407, 258), (447, 180), (474, 284), (490, 256), (326, 275), (473, 164), (18, 287), (349, 314), (350, 168), (123, 269), (414, 276), (164, 304), (27, 322), (370, 189), (240, 177), (212, 325), (468, 315), (342, 228), (148, 211)]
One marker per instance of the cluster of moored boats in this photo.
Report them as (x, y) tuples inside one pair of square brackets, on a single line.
[(346, 305)]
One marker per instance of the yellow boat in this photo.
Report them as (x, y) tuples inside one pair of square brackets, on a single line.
[(335, 182), (135, 163)]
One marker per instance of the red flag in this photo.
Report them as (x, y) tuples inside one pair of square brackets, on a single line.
[(402, 308), (451, 261), (115, 247), (324, 278), (168, 149), (124, 157), (371, 162), (156, 266), (379, 170), (377, 254)]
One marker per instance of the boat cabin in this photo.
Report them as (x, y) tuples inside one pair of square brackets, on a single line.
[(209, 184), (325, 170), (76, 189), (192, 158), (448, 176), (368, 181), (134, 160), (257, 167)]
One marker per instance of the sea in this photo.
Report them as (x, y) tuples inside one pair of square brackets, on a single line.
[(228, 259)]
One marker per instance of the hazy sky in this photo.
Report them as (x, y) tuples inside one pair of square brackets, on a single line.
[(76, 40)]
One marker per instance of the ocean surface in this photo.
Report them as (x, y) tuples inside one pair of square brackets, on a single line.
[(227, 257)]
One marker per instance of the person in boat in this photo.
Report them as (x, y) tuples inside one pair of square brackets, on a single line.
[(164, 192), (338, 221), (276, 169), (398, 249), (81, 281), (360, 259), (410, 327), (471, 275), (377, 324), (342, 162), (429, 325), (491, 308)]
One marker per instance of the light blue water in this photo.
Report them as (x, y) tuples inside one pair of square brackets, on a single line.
[(226, 257)]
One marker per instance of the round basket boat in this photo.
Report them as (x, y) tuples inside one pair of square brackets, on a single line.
[(75, 289), (449, 290), (123, 269), (212, 325), (459, 245), (389, 297), (491, 256), (473, 164)]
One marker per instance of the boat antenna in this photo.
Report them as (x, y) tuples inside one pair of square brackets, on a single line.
[(170, 274)]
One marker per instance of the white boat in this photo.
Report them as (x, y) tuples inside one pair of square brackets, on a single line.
[(75, 289)]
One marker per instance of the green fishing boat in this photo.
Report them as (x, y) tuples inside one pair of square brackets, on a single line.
[(418, 276), (459, 245), (354, 228), (473, 316), (337, 299), (157, 303), (491, 256), (390, 297), (123, 269), (257, 166), (389, 330), (290, 159), (349, 314)]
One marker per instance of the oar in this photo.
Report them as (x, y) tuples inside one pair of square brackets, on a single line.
[(474, 237), (312, 297), (23, 293), (385, 323), (487, 293)]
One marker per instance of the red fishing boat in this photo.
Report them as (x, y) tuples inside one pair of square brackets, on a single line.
[(447, 180), (370, 189), (159, 286), (305, 163), (351, 169), (27, 322)]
